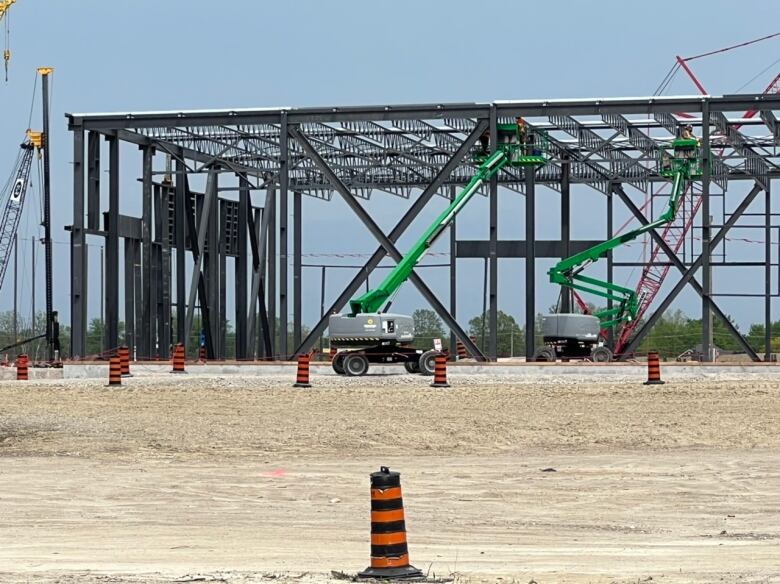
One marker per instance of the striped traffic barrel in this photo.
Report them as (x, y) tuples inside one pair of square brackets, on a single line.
[(440, 372), (114, 372), (653, 369), (302, 374), (178, 358), (389, 550), (22, 365)]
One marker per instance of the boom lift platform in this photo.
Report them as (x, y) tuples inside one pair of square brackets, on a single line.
[(578, 336), (371, 334)]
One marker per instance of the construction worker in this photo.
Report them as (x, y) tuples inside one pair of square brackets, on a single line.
[(687, 134)]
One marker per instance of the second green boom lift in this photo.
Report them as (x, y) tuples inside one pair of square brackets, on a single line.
[(578, 336)]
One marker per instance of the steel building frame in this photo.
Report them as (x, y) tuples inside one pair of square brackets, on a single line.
[(607, 144)]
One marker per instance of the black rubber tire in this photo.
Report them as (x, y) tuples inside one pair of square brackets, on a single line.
[(427, 362), (412, 366), (338, 363), (355, 365), (546, 354), (600, 355)]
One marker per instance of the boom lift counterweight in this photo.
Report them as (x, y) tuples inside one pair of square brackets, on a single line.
[(373, 335)]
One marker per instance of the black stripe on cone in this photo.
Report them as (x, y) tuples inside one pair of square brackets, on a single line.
[(302, 374), (653, 369), (440, 372), (389, 550)]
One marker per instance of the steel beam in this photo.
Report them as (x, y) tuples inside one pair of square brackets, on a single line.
[(530, 263), (214, 345), (241, 267), (111, 341), (129, 294), (284, 181), (396, 232), (271, 271), (688, 274), (583, 107), (162, 218), (93, 180), (376, 231), (453, 273), (768, 273), (706, 235), (566, 296), (257, 295), (78, 250), (222, 329), (179, 226), (146, 335), (493, 239), (297, 270), (198, 244)]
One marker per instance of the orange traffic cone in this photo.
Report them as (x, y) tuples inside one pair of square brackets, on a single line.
[(124, 360), (22, 368), (302, 375), (389, 552), (115, 372), (461, 348), (653, 369), (440, 372), (178, 359)]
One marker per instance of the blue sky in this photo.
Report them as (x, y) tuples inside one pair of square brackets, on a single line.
[(174, 54)]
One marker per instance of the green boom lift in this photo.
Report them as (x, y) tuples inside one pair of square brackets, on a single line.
[(371, 334), (572, 336)]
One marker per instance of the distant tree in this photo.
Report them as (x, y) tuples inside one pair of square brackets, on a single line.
[(510, 337), (427, 324)]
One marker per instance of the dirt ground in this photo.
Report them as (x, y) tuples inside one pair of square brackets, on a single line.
[(505, 479)]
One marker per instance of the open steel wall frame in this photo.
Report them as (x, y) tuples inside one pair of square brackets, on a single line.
[(608, 144)]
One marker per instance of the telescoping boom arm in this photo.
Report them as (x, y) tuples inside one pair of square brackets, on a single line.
[(373, 300), (567, 271)]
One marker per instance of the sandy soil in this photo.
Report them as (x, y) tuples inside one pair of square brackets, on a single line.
[(505, 479)]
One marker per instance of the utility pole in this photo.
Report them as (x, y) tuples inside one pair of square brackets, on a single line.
[(52, 326)]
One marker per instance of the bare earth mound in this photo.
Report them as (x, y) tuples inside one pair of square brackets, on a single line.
[(247, 480)]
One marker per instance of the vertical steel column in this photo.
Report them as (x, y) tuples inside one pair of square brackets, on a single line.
[(145, 334), (112, 248), (211, 274), (284, 181), (222, 330), (78, 255), (610, 261), (181, 245), (240, 265), (453, 272), (163, 197), (492, 352), (139, 298), (129, 294), (297, 268), (93, 180), (566, 293), (768, 272), (706, 236), (530, 262), (271, 277), (32, 290)]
